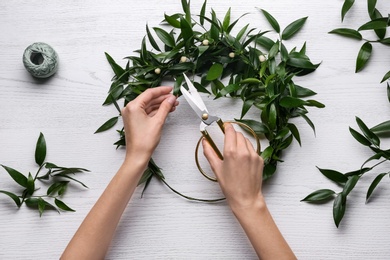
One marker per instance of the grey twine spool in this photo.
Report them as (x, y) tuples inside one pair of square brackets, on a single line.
[(41, 60)]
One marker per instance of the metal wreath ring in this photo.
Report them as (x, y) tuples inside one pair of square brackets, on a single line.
[(200, 139)]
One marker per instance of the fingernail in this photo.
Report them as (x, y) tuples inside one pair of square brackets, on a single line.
[(171, 100)]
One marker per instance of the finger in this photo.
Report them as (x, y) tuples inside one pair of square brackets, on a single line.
[(241, 141), (165, 108), (230, 142), (156, 101), (151, 111), (151, 93), (250, 145), (211, 156)]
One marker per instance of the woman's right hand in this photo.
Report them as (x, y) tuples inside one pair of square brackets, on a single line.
[(240, 172)]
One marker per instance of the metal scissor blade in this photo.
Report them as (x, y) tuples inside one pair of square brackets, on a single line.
[(195, 94), (192, 102)]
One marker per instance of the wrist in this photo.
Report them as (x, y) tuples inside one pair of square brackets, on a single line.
[(255, 207), (136, 161)]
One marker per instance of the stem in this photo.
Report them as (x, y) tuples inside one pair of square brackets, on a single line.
[(190, 198)]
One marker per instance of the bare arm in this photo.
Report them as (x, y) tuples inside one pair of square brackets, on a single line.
[(142, 117), (240, 178)]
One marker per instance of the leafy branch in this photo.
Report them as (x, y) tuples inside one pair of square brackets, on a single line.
[(378, 24), (347, 181), (248, 66), (55, 176)]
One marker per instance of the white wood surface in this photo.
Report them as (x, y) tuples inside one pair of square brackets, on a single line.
[(67, 109)]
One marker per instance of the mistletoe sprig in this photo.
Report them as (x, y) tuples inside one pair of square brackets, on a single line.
[(55, 176), (347, 181), (378, 23), (248, 66)]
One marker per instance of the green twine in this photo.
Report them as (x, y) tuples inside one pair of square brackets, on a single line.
[(41, 60)]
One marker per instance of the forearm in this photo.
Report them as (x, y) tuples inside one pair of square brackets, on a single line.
[(263, 233), (93, 237)]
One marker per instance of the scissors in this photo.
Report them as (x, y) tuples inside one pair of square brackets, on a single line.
[(195, 101)]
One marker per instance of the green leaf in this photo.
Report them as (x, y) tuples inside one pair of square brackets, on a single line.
[(245, 107), (376, 24), (346, 6), (265, 42), (363, 56), (30, 184), (339, 206), (272, 116), (271, 20), (15, 198), (333, 175), (295, 132), (319, 195), (115, 67), (214, 72), (274, 50), (291, 102), (258, 127), (186, 31), (267, 153), (107, 125), (186, 9), (375, 14), (151, 39), (371, 6), (386, 77), (145, 176), (350, 184), (165, 37), (388, 92), (39, 203), (382, 128), (226, 20), (293, 28), (373, 138), (61, 205), (57, 187), (40, 150), (314, 103), (374, 184), (299, 60), (17, 176), (73, 179), (359, 137), (304, 92), (350, 33), (172, 21), (203, 12)]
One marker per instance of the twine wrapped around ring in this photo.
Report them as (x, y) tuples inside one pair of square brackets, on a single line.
[(40, 60)]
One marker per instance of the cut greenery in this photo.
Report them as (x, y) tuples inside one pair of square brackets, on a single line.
[(369, 137), (245, 65), (377, 23), (55, 177)]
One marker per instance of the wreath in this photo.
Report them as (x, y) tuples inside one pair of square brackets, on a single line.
[(248, 66)]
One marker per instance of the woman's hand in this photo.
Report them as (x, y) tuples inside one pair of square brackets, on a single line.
[(144, 118), (240, 176), (240, 172)]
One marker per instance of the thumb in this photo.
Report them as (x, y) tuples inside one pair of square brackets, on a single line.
[(166, 107), (211, 157)]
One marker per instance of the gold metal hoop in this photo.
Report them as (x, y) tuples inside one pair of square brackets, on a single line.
[(200, 139)]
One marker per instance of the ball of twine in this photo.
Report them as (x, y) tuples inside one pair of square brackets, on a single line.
[(41, 60)]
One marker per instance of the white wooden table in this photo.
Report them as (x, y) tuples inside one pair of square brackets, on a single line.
[(67, 109)]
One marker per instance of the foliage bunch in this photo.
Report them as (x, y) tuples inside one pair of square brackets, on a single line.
[(369, 137), (55, 176), (245, 65), (347, 181), (377, 23)]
